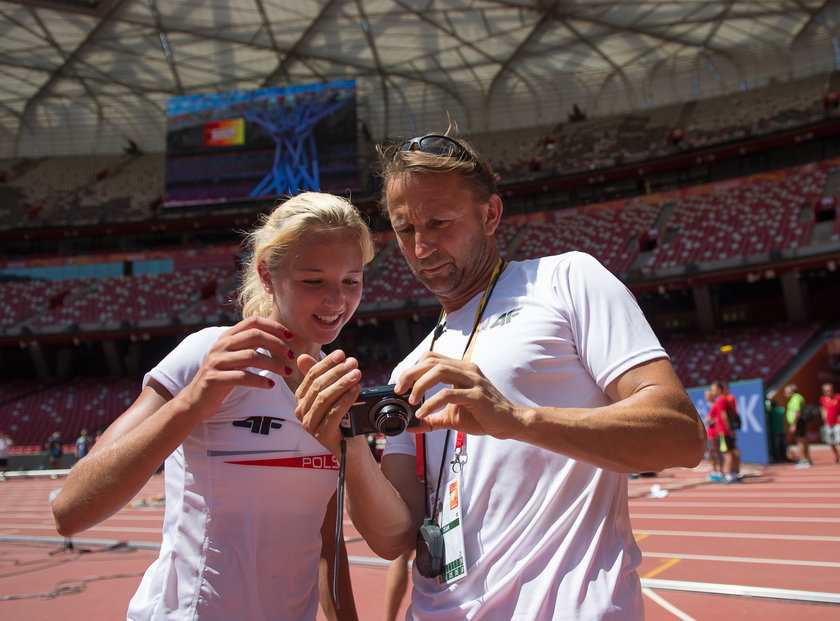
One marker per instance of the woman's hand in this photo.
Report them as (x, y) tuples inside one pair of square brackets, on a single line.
[(232, 360), (328, 389)]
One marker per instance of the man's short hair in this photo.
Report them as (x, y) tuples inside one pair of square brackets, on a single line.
[(406, 157)]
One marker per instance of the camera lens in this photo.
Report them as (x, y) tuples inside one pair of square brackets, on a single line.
[(390, 419)]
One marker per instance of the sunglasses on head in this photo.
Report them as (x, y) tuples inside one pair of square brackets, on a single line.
[(436, 144)]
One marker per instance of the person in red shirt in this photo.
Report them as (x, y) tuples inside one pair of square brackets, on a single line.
[(712, 448), (736, 452), (830, 410), (719, 413)]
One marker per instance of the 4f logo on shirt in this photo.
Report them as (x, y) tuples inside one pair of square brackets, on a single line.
[(504, 318), (260, 424)]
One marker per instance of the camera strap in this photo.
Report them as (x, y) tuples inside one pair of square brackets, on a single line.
[(339, 521)]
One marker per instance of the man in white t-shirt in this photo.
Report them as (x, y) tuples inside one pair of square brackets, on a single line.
[(552, 386)]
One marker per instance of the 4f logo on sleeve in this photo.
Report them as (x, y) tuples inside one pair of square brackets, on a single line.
[(260, 424), (504, 318)]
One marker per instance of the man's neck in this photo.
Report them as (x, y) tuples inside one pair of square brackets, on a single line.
[(481, 282)]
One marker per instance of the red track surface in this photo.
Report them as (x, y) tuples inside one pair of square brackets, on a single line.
[(779, 529)]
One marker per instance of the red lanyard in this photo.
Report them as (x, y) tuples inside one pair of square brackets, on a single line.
[(460, 438)]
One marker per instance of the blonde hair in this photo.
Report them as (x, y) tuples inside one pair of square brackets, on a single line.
[(286, 226)]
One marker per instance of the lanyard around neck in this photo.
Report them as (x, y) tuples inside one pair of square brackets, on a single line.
[(479, 312), (460, 438)]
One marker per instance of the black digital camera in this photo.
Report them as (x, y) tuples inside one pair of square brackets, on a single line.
[(379, 410)]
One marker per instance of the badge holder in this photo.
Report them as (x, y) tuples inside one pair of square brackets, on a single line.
[(440, 542)]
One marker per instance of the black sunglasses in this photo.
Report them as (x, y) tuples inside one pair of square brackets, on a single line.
[(435, 144)]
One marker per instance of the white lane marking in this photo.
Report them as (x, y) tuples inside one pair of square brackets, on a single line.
[(719, 534), (740, 559), (667, 605), (749, 505), (734, 518)]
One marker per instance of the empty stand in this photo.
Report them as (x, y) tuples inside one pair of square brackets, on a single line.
[(605, 233), (133, 299), (756, 111), (86, 189), (20, 300), (757, 352), (393, 281), (40, 409), (747, 217)]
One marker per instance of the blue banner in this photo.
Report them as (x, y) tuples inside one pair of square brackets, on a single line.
[(749, 397)]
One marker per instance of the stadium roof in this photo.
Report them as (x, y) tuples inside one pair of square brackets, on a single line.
[(88, 76)]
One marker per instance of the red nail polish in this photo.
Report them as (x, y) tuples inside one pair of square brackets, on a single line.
[(287, 334), (271, 383), (288, 371), (291, 355)]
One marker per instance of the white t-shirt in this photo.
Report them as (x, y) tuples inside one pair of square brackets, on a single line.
[(546, 537), (246, 495)]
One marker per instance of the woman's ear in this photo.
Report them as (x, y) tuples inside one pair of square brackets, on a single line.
[(265, 278)]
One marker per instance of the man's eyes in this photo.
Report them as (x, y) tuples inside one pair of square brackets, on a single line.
[(433, 224)]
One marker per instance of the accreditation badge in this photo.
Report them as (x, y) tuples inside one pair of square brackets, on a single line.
[(455, 566)]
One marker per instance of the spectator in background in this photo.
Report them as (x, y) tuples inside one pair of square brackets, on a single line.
[(712, 448), (83, 444), (727, 443), (55, 450), (830, 410), (777, 427), (5, 444), (732, 410), (796, 425), (98, 434)]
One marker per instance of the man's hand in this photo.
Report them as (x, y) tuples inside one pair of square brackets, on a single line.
[(471, 403)]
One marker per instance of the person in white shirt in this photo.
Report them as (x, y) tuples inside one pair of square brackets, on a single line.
[(544, 387), (5, 444), (250, 495)]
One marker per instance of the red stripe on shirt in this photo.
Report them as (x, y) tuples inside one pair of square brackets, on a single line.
[(313, 462)]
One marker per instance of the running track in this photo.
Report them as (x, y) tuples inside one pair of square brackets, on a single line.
[(760, 548)]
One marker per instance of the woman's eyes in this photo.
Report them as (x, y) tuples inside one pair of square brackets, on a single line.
[(347, 281)]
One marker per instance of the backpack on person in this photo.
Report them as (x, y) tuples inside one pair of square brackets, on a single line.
[(734, 417), (809, 412)]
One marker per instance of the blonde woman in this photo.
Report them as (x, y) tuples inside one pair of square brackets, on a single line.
[(248, 491)]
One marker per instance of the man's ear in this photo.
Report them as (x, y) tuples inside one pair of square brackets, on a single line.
[(265, 278), (493, 215)]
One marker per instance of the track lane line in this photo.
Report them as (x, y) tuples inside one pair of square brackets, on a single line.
[(741, 559), (662, 602)]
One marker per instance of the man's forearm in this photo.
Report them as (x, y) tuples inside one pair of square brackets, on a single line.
[(644, 433)]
